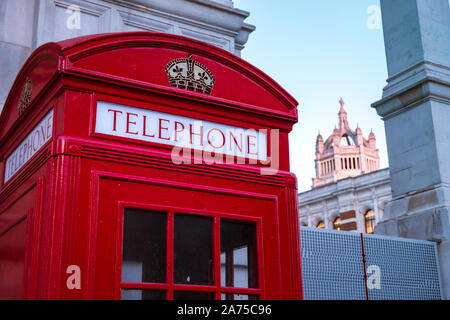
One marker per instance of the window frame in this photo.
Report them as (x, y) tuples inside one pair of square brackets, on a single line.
[(169, 286), (337, 224), (369, 220)]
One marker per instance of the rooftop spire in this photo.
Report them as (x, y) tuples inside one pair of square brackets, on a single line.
[(341, 102), (342, 115)]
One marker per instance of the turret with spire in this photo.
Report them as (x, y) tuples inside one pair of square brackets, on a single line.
[(345, 153), (319, 143), (372, 140)]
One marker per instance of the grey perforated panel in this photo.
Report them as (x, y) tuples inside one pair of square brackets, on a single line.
[(408, 268), (331, 265), (397, 268)]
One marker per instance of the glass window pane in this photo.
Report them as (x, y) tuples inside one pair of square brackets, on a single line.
[(193, 295), (337, 224), (238, 254), (144, 246), (136, 294), (370, 221), (193, 250), (245, 297), (232, 296)]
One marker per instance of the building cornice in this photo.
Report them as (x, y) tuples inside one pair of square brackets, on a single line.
[(220, 15), (347, 185), (410, 88)]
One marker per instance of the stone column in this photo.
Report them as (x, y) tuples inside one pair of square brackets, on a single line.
[(17, 21), (415, 107)]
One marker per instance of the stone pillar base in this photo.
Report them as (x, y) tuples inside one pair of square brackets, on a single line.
[(444, 264), (422, 215)]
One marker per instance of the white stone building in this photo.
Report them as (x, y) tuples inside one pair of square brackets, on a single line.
[(27, 24), (354, 203), (349, 191)]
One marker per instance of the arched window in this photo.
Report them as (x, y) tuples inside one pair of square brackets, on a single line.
[(346, 141), (337, 224), (369, 219), (321, 225)]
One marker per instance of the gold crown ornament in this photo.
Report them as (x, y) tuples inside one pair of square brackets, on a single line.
[(185, 73)]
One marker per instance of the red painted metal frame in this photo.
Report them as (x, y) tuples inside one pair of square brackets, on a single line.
[(65, 188), (170, 286), (364, 267), (96, 176)]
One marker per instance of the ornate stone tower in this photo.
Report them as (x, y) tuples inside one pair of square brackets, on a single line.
[(346, 153)]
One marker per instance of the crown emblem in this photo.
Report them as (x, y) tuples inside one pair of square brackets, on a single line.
[(25, 96), (185, 73)]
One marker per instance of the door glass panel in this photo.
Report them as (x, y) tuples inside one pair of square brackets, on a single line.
[(232, 296), (144, 246), (193, 295), (238, 254), (136, 294), (193, 250), (245, 297)]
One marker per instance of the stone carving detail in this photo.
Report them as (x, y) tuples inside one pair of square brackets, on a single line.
[(185, 73)]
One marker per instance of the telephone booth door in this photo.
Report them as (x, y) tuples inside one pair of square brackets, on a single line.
[(167, 241)]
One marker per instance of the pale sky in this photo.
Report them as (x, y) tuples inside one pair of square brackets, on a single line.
[(320, 51)]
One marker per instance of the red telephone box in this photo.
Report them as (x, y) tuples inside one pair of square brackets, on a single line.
[(146, 166)]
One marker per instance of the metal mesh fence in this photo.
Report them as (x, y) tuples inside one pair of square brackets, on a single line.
[(396, 268), (408, 268), (331, 265)]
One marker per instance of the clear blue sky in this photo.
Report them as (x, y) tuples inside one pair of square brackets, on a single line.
[(320, 51)]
